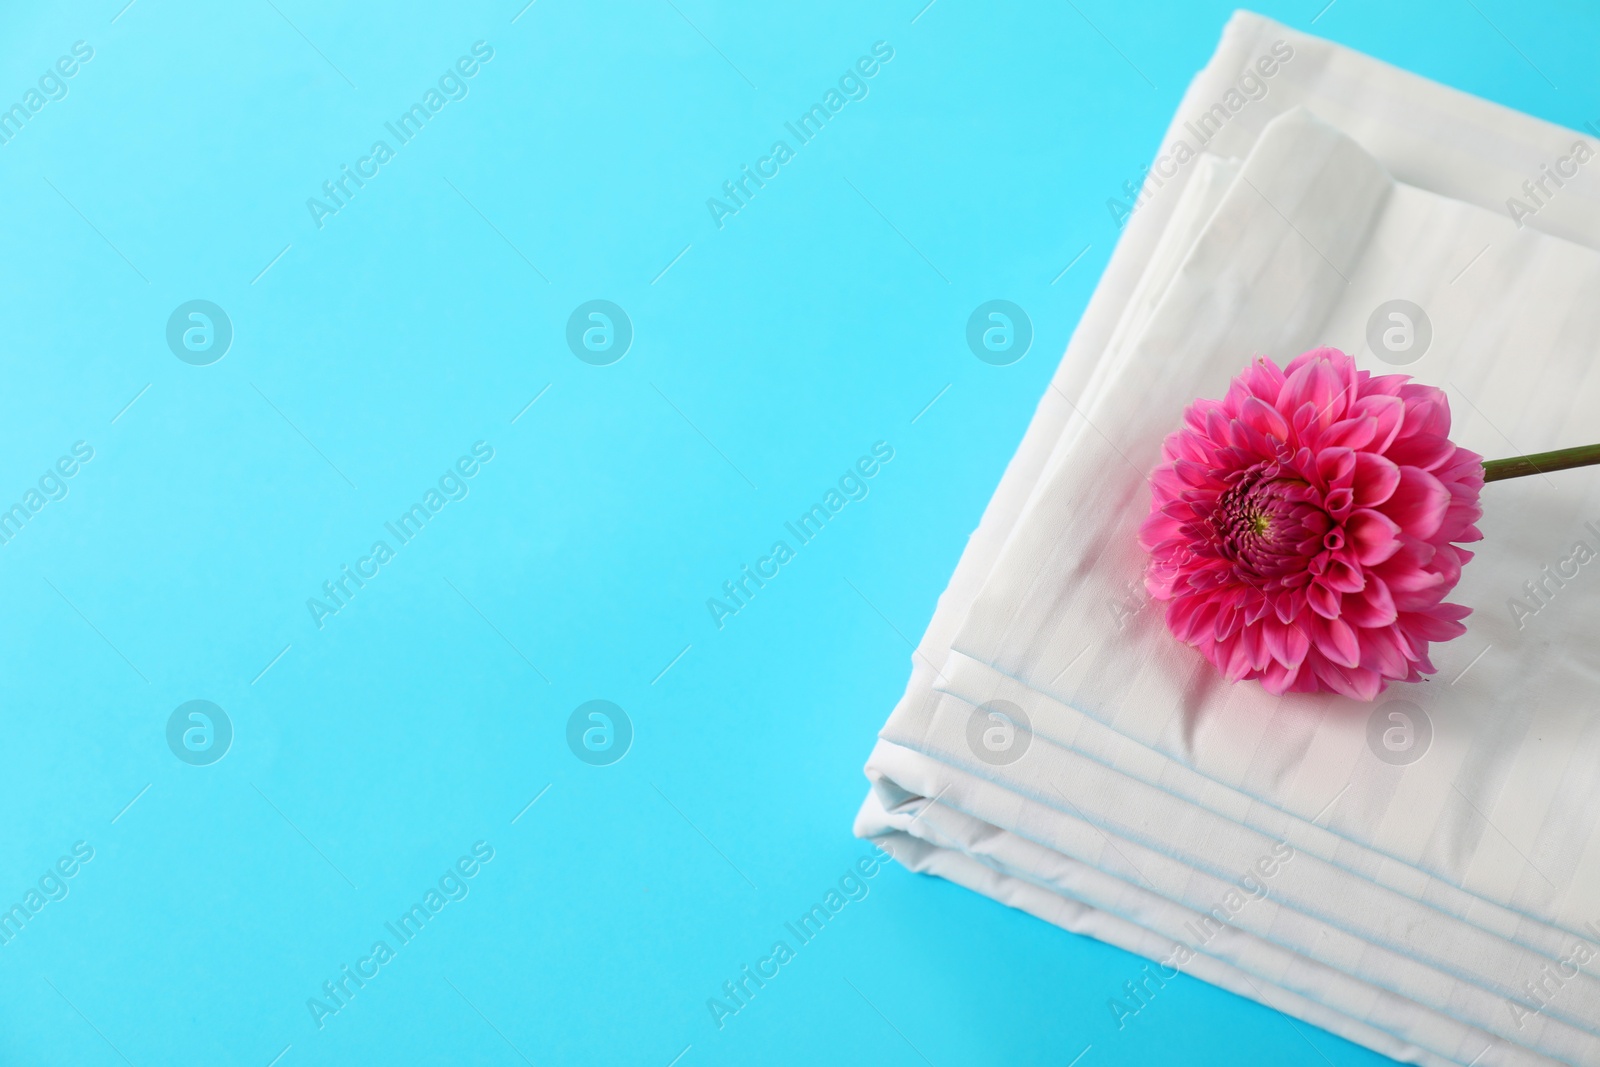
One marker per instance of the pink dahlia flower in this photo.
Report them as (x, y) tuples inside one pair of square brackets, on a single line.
[(1302, 529)]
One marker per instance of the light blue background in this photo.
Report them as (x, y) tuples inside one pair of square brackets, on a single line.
[(822, 318)]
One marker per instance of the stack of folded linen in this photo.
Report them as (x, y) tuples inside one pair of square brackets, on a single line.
[(1417, 874)]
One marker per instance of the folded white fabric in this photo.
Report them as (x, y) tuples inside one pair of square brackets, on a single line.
[(1438, 910)]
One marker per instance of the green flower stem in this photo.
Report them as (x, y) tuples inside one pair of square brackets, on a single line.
[(1541, 463)]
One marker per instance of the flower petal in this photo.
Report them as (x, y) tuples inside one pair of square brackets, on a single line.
[(1372, 535), (1373, 606), (1337, 640), (1390, 412), (1323, 601), (1376, 479), (1419, 503), (1264, 419), (1287, 644)]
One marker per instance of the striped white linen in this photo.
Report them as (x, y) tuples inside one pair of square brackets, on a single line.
[(1438, 911)]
